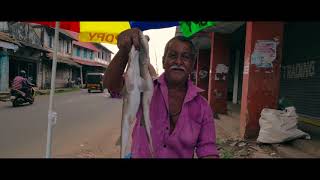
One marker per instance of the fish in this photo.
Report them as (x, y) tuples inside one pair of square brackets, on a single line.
[(138, 88), (147, 88)]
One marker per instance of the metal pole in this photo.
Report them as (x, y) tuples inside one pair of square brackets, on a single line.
[(52, 115)]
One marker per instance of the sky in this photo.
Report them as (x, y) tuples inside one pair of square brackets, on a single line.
[(157, 43)]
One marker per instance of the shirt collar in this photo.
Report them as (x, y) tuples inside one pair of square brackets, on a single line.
[(192, 91)]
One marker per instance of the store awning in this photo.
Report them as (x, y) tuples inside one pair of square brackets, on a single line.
[(34, 46), (64, 59), (88, 63), (8, 42)]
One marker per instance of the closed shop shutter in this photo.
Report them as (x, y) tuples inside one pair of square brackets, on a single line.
[(300, 69)]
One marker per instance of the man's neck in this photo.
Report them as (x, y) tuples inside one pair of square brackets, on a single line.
[(178, 86)]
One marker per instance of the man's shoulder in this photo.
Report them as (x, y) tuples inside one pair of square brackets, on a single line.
[(201, 100), (18, 77)]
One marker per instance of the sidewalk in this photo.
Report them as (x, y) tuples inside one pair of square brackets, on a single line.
[(302, 148), (232, 146), (4, 96)]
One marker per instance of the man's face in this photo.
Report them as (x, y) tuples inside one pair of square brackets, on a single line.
[(178, 61)]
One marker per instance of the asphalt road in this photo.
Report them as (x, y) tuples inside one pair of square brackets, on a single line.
[(88, 125)]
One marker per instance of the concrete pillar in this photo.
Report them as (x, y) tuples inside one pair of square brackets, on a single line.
[(39, 75), (236, 78), (70, 74), (260, 87), (44, 72), (4, 70), (81, 77), (219, 67), (203, 65)]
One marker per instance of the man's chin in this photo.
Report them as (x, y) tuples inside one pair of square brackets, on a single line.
[(176, 78)]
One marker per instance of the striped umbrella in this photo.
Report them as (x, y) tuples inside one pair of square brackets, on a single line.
[(108, 31)]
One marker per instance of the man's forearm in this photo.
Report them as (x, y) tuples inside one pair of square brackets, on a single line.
[(113, 79)]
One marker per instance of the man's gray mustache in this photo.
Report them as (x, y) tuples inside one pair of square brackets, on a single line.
[(177, 67)]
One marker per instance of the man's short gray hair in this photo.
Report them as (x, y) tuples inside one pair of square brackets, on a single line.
[(183, 39)]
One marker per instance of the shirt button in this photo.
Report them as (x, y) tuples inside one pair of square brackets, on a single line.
[(167, 128), (164, 146)]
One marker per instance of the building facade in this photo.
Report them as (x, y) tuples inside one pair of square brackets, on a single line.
[(255, 64)]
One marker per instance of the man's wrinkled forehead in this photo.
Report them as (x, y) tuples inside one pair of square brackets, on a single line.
[(177, 45)]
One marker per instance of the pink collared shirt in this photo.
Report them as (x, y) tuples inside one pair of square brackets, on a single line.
[(194, 131), (18, 82)]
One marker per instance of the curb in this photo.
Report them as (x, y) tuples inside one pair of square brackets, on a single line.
[(5, 96)]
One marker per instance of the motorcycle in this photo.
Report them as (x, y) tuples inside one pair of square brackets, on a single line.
[(18, 97)]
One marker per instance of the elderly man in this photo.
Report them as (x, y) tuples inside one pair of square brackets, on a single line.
[(182, 121)]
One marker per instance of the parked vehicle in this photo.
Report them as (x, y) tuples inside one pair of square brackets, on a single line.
[(94, 82)]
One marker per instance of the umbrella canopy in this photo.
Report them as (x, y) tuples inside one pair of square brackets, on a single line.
[(108, 31)]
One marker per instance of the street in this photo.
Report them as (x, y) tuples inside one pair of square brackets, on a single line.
[(88, 125)]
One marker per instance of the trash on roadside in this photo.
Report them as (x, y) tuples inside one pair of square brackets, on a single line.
[(277, 126), (241, 144), (273, 154)]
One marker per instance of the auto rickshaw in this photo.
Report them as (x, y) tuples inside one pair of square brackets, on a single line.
[(95, 82)]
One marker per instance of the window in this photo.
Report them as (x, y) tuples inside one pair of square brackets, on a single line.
[(50, 42), (65, 45), (85, 55), (70, 46), (78, 52), (102, 55), (99, 55), (60, 45), (91, 54), (74, 52)]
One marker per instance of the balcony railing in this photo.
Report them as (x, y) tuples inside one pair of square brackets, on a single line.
[(24, 32)]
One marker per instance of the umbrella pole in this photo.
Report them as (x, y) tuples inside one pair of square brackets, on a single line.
[(52, 115)]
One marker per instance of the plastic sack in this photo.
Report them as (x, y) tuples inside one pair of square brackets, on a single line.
[(278, 126)]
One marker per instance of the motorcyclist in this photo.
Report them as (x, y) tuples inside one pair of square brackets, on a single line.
[(21, 83)]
